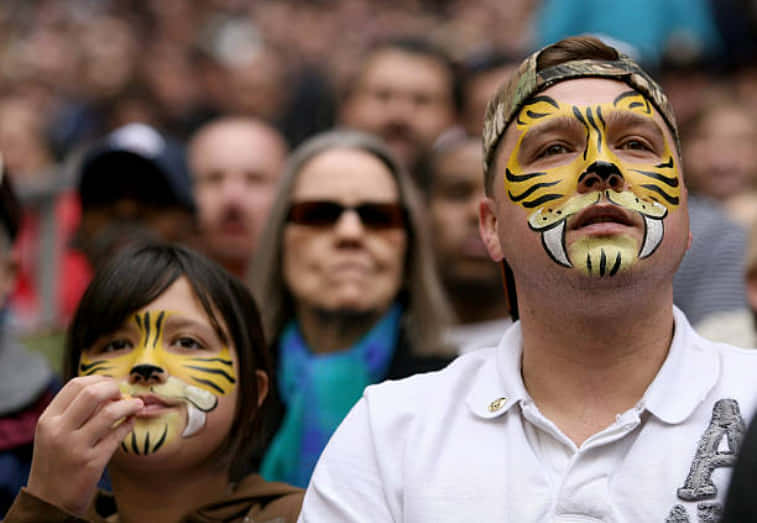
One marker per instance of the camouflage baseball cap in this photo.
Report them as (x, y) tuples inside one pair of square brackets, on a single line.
[(527, 81)]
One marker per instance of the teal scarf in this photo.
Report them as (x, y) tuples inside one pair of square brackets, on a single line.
[(318, 391)]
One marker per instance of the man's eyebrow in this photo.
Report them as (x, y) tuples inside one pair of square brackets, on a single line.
[(623, 118), (552, 124)]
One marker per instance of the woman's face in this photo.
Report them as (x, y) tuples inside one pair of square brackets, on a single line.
[(353, 262), (169, 354)]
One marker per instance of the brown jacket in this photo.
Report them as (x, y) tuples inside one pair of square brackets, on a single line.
[(255, 500)]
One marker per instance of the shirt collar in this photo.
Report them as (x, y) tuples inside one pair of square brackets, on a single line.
[(688, 374), (499, 385), (686, 377)]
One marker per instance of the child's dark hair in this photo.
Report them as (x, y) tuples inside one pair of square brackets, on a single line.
[(137, 276)]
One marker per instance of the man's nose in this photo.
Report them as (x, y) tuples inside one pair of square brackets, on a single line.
[(600, 176), (146, 374)]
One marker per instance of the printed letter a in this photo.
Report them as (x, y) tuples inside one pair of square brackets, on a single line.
[(726, 421)]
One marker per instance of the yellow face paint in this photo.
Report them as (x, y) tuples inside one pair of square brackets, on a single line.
[(559, 190), (150, 364)]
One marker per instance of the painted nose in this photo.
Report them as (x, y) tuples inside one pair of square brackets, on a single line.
[(146, 374), (601, 176)]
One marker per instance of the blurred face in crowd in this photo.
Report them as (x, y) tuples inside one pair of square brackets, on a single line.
[(405, 98), (109, 53), (256, 87), (133, 206), (106, 229), (456, 192), (479, 89), (350, 261), (235, 165), (720, 153), (22, 139)]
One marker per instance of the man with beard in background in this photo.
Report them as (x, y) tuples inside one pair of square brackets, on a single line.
[(473, 282), (235, 163), (406, 92)]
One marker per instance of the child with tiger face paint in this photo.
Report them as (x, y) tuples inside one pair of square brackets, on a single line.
[(169, 373), (170, 357)]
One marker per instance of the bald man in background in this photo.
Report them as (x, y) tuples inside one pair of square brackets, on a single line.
[(235, 164)]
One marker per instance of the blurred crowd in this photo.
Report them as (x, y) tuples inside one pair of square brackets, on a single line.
[(174, 119), (73, 71)]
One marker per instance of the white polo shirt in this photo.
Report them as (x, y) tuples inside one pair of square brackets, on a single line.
[(467, 443)]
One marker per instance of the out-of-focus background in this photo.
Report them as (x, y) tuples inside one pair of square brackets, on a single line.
[(73, 70), (131, 120)]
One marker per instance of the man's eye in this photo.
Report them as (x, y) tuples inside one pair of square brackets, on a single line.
[(635, 145), (553, 150)]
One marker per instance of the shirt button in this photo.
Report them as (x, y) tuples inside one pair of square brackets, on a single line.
[(497, 404)]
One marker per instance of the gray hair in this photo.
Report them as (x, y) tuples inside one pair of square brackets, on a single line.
[(426, 309)]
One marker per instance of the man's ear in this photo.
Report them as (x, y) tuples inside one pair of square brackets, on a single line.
[(487, 226)]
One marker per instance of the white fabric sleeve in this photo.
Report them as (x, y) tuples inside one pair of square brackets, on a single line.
[(347, 485)]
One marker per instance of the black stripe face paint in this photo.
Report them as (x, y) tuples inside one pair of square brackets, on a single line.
[(552, 172)]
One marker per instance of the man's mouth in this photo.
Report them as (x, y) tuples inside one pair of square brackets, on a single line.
[(608, 214), (601, 214)]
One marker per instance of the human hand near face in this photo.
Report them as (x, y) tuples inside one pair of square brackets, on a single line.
[(75, 438)]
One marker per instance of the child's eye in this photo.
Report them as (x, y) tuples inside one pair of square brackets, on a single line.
[(187, 342), (116, 345)]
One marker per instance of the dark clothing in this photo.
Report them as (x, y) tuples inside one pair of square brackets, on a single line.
[(260, 500), (741, 503), (405, 363), (16, 444)]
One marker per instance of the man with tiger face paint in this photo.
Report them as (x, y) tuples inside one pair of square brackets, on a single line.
[(601, 403), (599, 161)]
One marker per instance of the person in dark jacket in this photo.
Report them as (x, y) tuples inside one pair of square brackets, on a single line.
[(352, 298), (168, 375)]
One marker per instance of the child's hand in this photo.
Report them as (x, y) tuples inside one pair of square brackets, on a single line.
[(75, 438)]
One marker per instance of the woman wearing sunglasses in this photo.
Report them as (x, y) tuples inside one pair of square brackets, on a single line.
[(350, 290)]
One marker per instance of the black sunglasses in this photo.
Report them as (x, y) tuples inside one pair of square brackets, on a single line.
[(321, 213)]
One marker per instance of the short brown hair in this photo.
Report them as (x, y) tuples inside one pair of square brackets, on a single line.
[(576, 48)]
